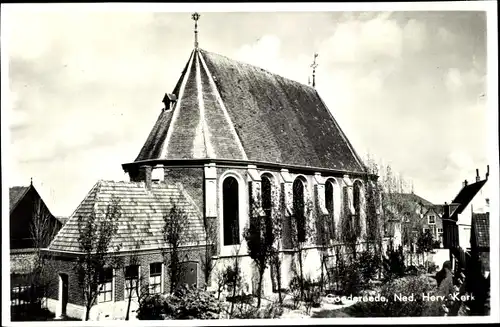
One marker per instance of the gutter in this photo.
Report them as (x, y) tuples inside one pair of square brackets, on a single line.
[(200, 163)]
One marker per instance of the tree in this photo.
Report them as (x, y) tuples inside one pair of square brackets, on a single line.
[(133, 281), (277, 214), (260, 240), (43, 229), (96, 232), (176, 232), (425, 242), (233, 277), (207, 263), (301, 233)]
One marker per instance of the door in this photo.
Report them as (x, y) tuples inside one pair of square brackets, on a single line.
[(63, 293), (189, 274)]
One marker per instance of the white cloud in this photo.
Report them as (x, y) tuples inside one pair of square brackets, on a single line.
[(453, 79), (414, 34), (445, 36), (360, 41), (456, 79), (264, 53)]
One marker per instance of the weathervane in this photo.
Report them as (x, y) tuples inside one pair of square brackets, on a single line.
[(195, 17), (313, 66)]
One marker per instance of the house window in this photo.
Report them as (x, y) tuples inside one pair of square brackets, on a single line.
[(431, 220), (298, 209), (267, 202), (230, 200), (440, 230), (131, 281), (105, 286), (155, 278), (19, 295)]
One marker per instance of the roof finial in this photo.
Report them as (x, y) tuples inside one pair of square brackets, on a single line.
[(313, 66), (31, 180), (195, 17)]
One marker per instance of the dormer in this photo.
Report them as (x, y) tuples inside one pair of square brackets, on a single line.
[(169, 100)]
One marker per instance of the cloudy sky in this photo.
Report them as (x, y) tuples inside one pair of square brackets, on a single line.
[(86, 87)]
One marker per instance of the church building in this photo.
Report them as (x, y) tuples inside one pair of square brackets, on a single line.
[(231, 137)]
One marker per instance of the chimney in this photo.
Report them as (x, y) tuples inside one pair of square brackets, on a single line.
[(146, 175), (169, 100), (477, 176), (465, 183), (487, 171), (158, 173)]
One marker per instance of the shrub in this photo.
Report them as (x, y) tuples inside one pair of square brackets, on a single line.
[(394, 308), (294, 289), (270, 311), (350, 276), (186, 303), (394, 263), (312, 294), (431, 267), (369, 263)]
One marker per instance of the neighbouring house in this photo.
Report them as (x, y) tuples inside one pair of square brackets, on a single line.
[(230, 137), (457, 215), (140, 223), (32, 226), (408, 214), (478, 267), (466, 235), (480, 240)]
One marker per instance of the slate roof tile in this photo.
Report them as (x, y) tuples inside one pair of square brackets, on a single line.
[(141, 219), (248, 113)]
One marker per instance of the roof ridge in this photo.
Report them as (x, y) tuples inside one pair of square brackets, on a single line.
[(175, 111), (218, 97)]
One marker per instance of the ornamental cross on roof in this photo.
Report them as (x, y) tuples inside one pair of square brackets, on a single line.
[(313, 66), (195, 17)]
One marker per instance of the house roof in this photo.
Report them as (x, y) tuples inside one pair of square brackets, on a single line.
[(231, 110), (16, 193), (141, 220), (481, 229), (466, 194), (412, 197), (401, 203)]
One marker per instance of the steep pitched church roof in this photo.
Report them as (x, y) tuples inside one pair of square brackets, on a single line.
[(140, 221), (231, 110)]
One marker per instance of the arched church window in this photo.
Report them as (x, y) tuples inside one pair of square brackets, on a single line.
[(357, 205), (230, 203), (329, 204), (267, 201), (299, 210)]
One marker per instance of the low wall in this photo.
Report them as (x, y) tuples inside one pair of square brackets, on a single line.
[(100, 312)]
